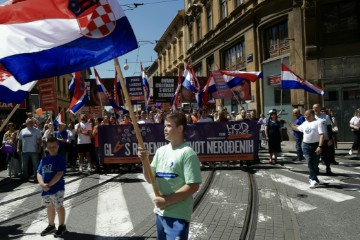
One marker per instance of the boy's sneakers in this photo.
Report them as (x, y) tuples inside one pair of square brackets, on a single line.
[(49, 229), (350, 152), (61, 230)]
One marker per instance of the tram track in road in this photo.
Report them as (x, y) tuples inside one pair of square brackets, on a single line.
[(40, 208), (219, 206), (220, 211)]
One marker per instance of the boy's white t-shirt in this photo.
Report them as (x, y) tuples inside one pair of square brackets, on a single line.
[(311, 131)]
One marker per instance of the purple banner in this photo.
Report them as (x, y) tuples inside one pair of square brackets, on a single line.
[(218, 141)]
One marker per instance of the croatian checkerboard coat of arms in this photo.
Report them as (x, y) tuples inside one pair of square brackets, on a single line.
[(95, 17)]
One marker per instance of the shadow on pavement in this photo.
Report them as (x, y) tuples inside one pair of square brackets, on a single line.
[(84, 236)]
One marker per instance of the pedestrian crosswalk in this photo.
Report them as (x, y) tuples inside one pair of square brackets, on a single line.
[(109, 211)]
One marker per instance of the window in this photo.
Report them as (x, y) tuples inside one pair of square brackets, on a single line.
[(234, 57), (210, 64), (223, 7), (209, 17), (276, 40), (180, 43), (198, 28), (238, 2), (198, 70), (191, 34), (174, 51), (340, 23), (286, 96)]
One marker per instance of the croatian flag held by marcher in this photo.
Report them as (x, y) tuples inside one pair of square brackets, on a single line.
[(289, 80), (232, 80), (235, 78), (80, 96), (190, 82), (146, 87), (102, 89), (59, 119), (176, 98), (11, 91), (41, 39)]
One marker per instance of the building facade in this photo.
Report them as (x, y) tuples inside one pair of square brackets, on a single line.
[(318, 39)]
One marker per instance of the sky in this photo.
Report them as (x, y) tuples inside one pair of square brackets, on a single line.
[(149, 21)]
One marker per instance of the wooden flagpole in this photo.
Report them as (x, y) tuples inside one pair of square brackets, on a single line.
[(146, 163), (9, 116)]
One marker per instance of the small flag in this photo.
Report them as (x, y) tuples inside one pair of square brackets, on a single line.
[(101, 88), (80, 96), (58, 119), (146, 87)]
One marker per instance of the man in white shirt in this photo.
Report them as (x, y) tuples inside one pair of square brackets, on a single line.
[(327, 154), (84, 130), (313, 141)]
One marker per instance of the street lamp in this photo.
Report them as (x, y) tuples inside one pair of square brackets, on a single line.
[(126, 66)]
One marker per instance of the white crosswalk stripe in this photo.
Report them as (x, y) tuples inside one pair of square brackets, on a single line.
[(112, 214)]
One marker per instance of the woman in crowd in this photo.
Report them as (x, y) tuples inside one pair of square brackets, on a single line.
[(273, 134), (12, 158)]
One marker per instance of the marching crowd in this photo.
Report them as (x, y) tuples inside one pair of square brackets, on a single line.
[(78, 141)]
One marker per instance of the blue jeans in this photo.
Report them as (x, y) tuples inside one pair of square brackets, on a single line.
[(299, 151), (171, 228), (312, 159), (26, 156)]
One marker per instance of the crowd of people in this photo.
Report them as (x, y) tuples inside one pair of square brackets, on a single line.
[(78, 140)]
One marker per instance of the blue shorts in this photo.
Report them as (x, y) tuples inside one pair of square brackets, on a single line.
[(171, 228)]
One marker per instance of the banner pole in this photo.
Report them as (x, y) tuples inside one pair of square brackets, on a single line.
[(9, 116), (146, 162)]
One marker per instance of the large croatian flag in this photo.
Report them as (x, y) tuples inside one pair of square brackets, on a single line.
[(41, 39), (11, 91), (289, 80)]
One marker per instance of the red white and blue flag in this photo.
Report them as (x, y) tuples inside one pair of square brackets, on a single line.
[(289, 80), (41, 39), (176, 98), (232, 80), (102, 89), (11, 91), (59, 119), (80, 96), (146, 87)]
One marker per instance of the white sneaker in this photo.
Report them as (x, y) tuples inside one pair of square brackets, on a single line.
[(350, 152), (313, 184), (80, 168)]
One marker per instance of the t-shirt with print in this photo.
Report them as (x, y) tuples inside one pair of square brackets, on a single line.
[(311, 130), (29, 139), (48, 167), (175, 167)]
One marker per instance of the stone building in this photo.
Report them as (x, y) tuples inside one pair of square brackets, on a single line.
[(318, 39)]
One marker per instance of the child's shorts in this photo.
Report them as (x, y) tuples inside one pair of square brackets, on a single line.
[(56, 200)]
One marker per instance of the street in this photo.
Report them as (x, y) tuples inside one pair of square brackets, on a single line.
[(113, 206)]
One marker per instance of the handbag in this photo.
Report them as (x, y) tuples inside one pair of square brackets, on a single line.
[(284, 134), (335, 129), (7, 148)]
